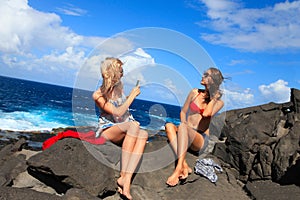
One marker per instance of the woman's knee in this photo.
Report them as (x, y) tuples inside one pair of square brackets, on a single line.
[(143, 134), (182, 126), (183, 130), (134, 125), (133, 128), (169, 127)]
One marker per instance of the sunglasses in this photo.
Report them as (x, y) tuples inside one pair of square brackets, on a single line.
[(205, 75)]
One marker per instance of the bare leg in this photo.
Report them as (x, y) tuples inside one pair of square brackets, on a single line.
[(171, 131), (137, 151), (132, 149), (182, 142), (184, 137), (134, 158), (125, 178)]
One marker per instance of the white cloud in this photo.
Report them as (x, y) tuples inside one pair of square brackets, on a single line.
[(238, 99), (171, 92), (37, 43), (24, 29), (251, 29), (277, 92), (133, 65), (72, 10), (170, 84), (237, 62), (137, 58), (69, 58)]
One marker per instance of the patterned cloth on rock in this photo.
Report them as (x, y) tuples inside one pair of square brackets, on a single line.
[(206, 167)]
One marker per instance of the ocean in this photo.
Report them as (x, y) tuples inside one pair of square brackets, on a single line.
[(34, 106)]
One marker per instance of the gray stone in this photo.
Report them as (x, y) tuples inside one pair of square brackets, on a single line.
[(268, 190), (9, 193), (67, 164), (11, 165), (263, 141)]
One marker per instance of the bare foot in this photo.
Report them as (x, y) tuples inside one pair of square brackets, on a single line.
[(185, 174), (174, 178), (124, 187), (120, 185), (185, 165), (186, 171)]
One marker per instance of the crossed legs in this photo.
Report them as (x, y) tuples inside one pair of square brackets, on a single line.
[(171, 131), (180, 139), (134, 141)]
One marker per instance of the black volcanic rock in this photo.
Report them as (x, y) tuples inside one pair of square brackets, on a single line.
[(10, 165), (68, 164), (9, 193), (263, 142), (259, 157)]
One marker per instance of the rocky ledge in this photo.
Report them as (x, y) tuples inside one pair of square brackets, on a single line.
[(259, 157)]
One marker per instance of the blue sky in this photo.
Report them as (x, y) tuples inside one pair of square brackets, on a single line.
[(166, 44)]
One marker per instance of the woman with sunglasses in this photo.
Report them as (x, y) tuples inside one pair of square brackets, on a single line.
[(116, 124), (195, 117)]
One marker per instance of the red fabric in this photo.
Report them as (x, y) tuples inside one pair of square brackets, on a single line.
[(88, 136)]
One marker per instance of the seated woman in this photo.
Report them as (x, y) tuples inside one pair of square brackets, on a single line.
[(116, 124), (195, 117)]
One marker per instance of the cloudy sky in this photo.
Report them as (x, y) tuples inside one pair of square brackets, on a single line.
[(165, 44)]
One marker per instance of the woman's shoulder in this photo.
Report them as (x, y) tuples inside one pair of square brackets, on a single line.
[(97, 94), (194, 91), (198, 90)]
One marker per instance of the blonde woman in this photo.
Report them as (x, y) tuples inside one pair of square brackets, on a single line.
[(195, 117), (116, 124)]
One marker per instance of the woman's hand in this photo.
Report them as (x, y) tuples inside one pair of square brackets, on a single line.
[(216, 97), (135, 91)]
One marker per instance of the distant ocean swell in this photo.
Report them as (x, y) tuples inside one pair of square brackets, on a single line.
[(28, 105)]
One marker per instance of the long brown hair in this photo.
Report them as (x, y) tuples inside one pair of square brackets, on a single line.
[(217, 78), (110, 71)]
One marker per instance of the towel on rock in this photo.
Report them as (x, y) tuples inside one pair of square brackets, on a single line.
[(88, 137), (206, 167)]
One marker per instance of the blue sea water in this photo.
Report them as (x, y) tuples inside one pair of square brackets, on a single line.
[(28, 105)]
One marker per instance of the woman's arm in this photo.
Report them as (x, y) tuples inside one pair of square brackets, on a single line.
[(214, 106), (185, 107), (110, 108)]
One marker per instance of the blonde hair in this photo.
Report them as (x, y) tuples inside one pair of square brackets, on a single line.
[(111, 74)]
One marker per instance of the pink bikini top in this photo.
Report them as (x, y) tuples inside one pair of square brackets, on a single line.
[(194, 107)]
